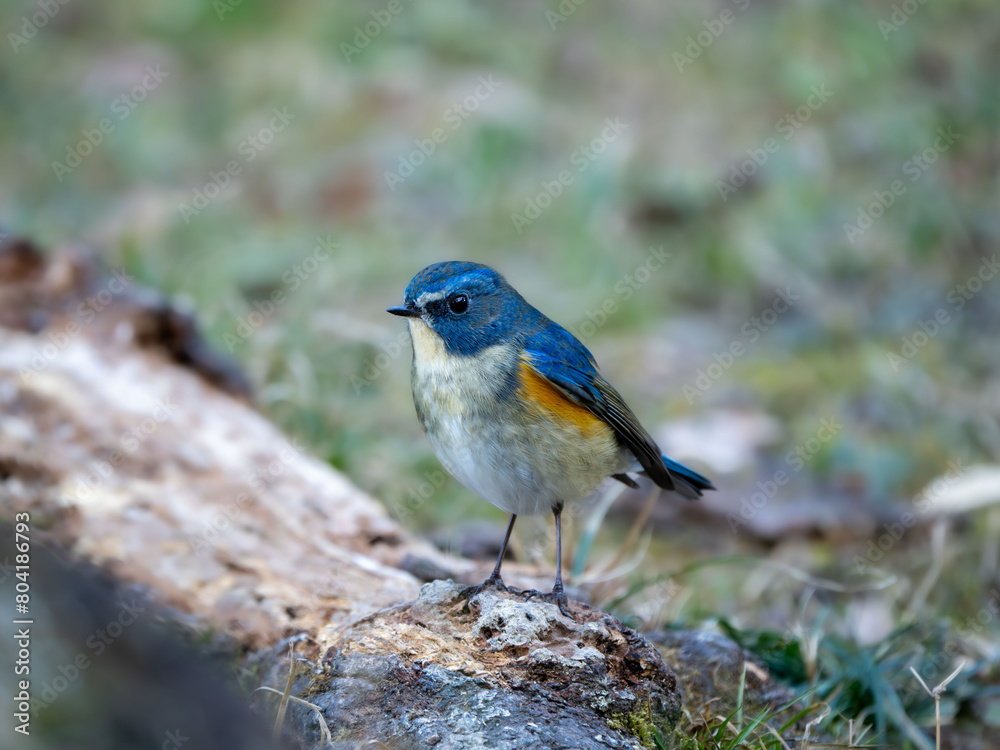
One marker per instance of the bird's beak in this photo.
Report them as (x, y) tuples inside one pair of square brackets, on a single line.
[(405, 311)]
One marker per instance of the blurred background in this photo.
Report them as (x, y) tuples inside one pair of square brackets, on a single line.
[(775, 224)]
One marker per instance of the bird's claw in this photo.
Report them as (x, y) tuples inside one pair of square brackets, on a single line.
[(557, 596), (494, 582)]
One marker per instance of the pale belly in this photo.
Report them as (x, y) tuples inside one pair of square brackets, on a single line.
[(522, 463)]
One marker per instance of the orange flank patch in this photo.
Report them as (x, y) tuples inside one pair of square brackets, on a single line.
[(540, 395)]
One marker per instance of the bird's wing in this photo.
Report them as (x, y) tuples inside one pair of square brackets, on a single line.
[(574, 373)]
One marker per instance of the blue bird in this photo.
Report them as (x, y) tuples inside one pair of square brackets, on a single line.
[(514, 406)]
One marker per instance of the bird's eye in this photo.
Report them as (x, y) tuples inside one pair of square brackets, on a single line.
[(458, 303)]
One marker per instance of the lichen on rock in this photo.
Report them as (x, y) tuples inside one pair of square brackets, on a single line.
[(494, 670)]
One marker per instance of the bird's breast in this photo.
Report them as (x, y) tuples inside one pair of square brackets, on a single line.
[(503, 430), (447, 385)]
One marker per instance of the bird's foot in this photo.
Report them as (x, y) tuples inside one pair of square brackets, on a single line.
[(557, 596), (494, 582)]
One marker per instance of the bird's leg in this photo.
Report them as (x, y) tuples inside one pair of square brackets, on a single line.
[(495, 581), (557, 596)]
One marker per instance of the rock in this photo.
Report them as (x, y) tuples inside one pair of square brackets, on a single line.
[(493, 671), (709, 667), (424, 569)]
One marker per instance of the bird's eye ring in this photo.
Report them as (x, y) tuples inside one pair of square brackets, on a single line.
[(458, 303)]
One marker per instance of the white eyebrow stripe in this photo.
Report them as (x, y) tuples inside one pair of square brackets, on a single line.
[(426, 297)]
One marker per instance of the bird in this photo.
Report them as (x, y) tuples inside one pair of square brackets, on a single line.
[(515, 408)]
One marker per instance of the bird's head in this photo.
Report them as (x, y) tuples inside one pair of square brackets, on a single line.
[(468, 305)]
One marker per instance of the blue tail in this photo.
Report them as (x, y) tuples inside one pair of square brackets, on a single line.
[(689, 483)]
